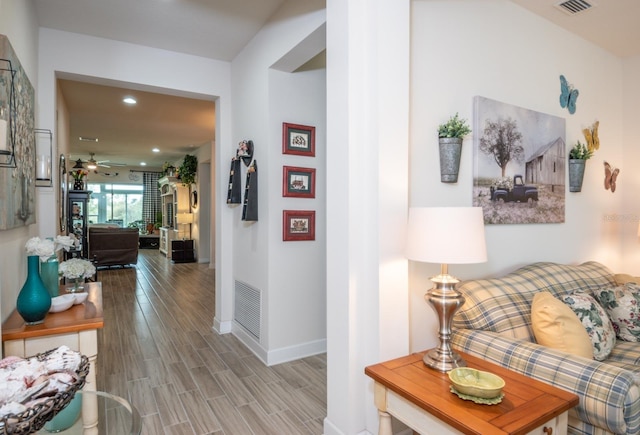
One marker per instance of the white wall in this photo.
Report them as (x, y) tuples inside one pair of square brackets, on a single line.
[(253, 88), (629, 178), (367, 199), (297, 270), (18, 22), (495, 49)]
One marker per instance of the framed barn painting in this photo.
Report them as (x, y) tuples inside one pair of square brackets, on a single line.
[(298, 182), (519, 164), (298, 225), (298, 139)]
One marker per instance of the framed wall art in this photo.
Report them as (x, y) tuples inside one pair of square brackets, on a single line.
[(519, 164), (298, 182), (298, 139), (298, 225)]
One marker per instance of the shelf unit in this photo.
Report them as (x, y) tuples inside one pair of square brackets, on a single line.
[(175, 199), (77, 209)]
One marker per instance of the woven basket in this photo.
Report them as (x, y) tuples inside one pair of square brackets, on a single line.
[(33, 419)]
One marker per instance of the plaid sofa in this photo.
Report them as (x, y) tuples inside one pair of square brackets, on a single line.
[(495, 324)]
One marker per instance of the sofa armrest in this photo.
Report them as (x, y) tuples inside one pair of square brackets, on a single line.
[(609, 397)]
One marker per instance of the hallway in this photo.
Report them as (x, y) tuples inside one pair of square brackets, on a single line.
[(157, 349)]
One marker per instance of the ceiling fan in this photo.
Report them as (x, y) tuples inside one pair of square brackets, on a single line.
[(92, 163)]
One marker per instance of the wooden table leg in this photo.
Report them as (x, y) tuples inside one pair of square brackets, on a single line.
[(384, 420)]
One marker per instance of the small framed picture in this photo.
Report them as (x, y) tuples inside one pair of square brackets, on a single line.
[(298, 139), (298, 182), (298, 225)]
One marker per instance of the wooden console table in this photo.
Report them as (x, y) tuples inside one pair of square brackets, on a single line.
[(420, 397), (76, 328)]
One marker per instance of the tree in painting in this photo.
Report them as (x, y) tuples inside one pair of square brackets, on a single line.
[(502, 140)]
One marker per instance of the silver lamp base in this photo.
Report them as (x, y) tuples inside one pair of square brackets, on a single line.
[(445, 300)]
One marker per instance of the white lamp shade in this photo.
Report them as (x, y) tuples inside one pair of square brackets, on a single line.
[(446, 235), (184, 218)]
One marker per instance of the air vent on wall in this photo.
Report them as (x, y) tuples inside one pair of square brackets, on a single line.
[(247, 311), (572, 7)]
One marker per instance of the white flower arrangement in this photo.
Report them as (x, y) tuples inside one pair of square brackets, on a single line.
[(45, 248), (75, 268)]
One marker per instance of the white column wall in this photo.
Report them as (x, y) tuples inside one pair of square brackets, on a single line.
[(367, 199)]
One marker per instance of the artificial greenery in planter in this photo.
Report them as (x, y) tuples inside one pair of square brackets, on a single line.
[(188, 169), (578, 157), (450, 135), (168, 169)]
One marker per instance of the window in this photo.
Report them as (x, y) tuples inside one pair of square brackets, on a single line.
[(116, 203)]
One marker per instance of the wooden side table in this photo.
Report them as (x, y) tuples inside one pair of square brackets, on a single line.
[(76, 328), (420, 397)]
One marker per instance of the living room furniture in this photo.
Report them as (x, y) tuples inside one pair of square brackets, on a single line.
[(116, 416), (182, 251), (113, 246), (77, 211), (175, 200), (421, 398), (495, 324), (149, 241), (76, 328)]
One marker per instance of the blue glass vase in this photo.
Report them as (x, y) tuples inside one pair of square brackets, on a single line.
[(34, 299), (49, 275)]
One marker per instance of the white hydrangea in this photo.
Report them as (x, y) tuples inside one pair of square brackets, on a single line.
[(45, 248), (77, 268)]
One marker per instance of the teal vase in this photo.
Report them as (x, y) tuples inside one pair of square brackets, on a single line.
[(49, 275), (34, 299)]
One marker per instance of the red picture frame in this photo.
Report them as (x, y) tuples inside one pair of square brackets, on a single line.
[(298, 225), (298, 139), (298, 182)]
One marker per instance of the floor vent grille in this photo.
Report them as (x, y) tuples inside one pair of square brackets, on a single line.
[(573, 7), (247, 310)]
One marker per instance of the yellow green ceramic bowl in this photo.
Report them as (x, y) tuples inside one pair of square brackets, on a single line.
[(476, 383)]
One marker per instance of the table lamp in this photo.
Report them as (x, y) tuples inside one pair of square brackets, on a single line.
[(445, 235), (185, 219)]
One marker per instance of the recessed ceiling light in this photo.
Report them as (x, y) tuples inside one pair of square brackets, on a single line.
[(156, 150), (88, 139), (143, 164), (129, 100)]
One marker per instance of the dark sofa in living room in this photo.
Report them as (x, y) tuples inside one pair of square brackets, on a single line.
[(113, 246)]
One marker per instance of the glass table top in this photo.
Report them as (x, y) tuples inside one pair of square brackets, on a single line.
[(116, 416)]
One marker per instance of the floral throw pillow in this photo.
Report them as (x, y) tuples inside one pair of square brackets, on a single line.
[(595, 320), (623, 307)]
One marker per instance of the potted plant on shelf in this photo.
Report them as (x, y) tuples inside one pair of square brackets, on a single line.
[(578, 157), (168, 169), (188, 170), (450, 135)]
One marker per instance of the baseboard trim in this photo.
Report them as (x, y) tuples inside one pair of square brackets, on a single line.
[(278, 356), (221, 327), (292, 353), (331, 429)]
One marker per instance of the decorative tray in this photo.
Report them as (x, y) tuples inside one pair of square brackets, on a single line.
[(480, 400), (52, 379)]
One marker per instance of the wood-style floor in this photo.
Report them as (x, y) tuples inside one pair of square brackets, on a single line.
[(158, 350)]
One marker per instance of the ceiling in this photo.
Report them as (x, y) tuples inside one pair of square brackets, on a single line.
[(219, 29)]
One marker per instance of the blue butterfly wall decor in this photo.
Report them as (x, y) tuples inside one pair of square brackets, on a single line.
[(568, 95)]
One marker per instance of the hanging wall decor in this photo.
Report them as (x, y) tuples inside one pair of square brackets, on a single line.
[(568, 95), (298, 139), (520, 180), (298, 182), (610, 177), (298, 225), (245, 151), (17, 181), (250, 207)]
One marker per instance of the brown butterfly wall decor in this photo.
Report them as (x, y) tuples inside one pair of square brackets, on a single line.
[(610, 176)]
